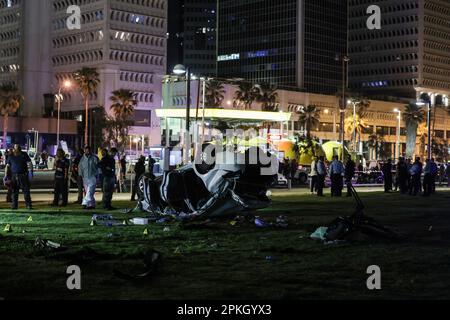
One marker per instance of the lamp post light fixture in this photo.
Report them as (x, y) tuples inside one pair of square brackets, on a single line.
[(59, 98), (399, 118), (180, 70), (420, 103)]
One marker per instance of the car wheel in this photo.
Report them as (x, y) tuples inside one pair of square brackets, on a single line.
[(303, 178)]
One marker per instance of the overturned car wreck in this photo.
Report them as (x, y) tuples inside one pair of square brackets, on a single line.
[(230, 184)]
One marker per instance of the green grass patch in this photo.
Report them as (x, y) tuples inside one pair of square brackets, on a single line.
[(232, 262)]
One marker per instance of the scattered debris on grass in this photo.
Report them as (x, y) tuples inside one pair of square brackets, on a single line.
[(48, 245), (319, 234), (140, 221)]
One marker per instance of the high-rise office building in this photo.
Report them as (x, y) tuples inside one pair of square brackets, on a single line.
[(292, 43), (25, 57), (410, 54), (192, 36), (125, 40)]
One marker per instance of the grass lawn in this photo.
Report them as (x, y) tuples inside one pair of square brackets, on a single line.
[(231, 262)]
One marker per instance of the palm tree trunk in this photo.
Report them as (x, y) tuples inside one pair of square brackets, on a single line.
[(5, 130), (86, 127), (411, 139), (308, 129)]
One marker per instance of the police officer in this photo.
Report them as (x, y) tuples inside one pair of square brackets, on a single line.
[(19, 167), (61, 178), (108, 168), (336, 173)]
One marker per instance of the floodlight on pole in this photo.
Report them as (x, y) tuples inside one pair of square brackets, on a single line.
[(179, 70), (59, 98)]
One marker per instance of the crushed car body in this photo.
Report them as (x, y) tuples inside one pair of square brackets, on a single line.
[(232, 184)]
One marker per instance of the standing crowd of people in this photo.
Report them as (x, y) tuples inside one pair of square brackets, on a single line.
[(86, 171), (408, 177)]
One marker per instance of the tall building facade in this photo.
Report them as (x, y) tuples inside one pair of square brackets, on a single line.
[(192, 36), (296, 44), (25, 56), (409, 55), (126, 41)]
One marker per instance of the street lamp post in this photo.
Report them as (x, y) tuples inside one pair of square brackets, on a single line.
[(399, 117), (345, 60), (180, 70), (67, 84)]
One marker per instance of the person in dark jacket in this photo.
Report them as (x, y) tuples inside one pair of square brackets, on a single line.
[(387, 172), (416, 174), (108, 169), (349, 174), (61, 189), (434, 172), (402, 175), (20, 170), (427, 176), (8, 183), (151, 166), (76, 177), (123, 166), (139, 170), (321, 174)]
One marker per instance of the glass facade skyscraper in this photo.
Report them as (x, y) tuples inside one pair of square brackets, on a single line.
[(294, 44)]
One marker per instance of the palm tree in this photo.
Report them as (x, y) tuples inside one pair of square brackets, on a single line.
[(267, 95), (123, 103), (87, 80), (245, 95), (9, 104), (215, 93), (413, 116), (376, 143), (310, 117)]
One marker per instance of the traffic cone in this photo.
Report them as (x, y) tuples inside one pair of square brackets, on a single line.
[(93, 223), (30, 219), (8, 228), (145, 232)]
